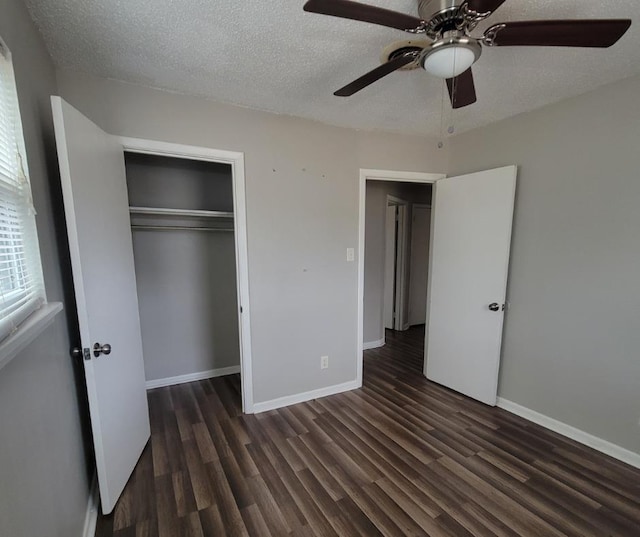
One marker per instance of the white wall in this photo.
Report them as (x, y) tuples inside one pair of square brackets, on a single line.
[(44, 483), (302, 206), (374, 249), (572, 335)]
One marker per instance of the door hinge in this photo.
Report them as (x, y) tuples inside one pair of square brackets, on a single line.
[(77, 352)]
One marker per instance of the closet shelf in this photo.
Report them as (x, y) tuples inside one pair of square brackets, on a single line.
[(193, 213)]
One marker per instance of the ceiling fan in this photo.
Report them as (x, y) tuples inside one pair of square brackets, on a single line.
[(453, 50)]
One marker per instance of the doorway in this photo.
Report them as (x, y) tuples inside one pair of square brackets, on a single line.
[(235, 163), (394, 254), (468, 261), (98, 217)]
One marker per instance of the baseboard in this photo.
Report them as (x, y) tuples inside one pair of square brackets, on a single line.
[(373, 344), (91, 517), (578, 435), (192, 377), (305, 396)]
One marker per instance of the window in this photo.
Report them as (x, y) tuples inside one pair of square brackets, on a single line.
[(21, 282)]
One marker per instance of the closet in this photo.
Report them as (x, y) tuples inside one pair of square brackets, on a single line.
[(184, 251)]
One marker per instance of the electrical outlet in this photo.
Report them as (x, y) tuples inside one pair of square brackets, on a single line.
[(324, 362)]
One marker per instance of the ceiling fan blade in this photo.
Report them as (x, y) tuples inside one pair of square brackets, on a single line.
[(484, 6), (363, 12), (560, 33), (462, 89), (376, 74)]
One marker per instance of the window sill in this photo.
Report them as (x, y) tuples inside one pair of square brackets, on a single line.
[(28, 331)]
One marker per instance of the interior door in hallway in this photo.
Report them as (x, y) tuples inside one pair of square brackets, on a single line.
[(468, 269), (389, 266), (97, 214)]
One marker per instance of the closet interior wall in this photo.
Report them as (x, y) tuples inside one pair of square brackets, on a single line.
[(184, 252)]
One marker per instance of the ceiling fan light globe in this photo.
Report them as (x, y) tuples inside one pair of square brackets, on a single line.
[(451, 57), (449, 62)]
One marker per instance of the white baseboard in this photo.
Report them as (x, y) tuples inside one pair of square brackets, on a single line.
[(91, 517), (578, 435), (373, 344), (192, 377), (306, 396)]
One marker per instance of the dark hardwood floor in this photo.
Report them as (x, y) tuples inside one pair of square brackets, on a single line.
[(401, 456)]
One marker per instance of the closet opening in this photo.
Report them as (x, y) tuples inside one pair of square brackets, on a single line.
[(188, 272)]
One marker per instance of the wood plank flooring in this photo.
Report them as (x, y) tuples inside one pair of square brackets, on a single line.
[(401, 456)]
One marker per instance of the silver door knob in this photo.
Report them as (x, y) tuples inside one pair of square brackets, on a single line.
[(101, 349), (494, 306)]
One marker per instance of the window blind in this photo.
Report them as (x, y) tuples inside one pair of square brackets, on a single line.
[(21, 282)]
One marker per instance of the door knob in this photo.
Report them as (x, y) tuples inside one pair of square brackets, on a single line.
[(101, 349), (494, 306)]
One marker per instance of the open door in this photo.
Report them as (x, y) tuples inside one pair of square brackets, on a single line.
[(469, 261), (96, 208)]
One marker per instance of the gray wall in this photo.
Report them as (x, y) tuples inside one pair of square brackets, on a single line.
[(374, 248), (43, 470), (572, 338), (186, 279), (302, 204), (155, 181)]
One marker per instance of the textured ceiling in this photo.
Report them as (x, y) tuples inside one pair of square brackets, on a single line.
[(270, 55)]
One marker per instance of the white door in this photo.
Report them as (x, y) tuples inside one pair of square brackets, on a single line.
[(467, 281), (401, 287), (389, 266), (96, 209), (419, 264)]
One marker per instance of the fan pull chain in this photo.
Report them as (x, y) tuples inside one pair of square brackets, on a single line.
[(454, 92), (444, 90)]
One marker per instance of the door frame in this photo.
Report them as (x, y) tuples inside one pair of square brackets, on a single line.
[(236, 160), (376, 175)]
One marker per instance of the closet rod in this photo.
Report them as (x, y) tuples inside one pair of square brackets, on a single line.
[(177, 228), (160, 211)]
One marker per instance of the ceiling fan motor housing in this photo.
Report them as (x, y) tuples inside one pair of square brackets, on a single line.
[(440, 15)]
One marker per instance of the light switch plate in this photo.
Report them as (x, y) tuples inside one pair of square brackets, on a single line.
[(351, 254)]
